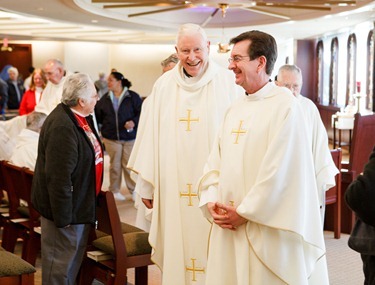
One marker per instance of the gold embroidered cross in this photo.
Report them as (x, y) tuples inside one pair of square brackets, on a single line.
[(189, 194), (189, 120), (194, 269), (231, 202), (238, 132)]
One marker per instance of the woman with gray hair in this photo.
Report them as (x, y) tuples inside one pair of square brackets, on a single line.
[(68, 176)]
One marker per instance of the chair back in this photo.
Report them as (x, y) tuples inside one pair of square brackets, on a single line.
[(108, 221), (363, 142), (332, 194), (12, 180), (25, 194), (333, 198)]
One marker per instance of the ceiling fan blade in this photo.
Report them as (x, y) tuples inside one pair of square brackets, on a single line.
[(305, 7), (259, 11), (309, 2), (161, 10), (139, 2), (136, 5), (209, 18)]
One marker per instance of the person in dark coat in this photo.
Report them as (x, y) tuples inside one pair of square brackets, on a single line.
[(360, 197), (15, 89), (67, 178), (117, 114)]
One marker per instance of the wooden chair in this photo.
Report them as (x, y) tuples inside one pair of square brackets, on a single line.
[(333, 197), (31, 237), (27, 219), (363, 142), (4, 204), (128, 246), (10, 231)]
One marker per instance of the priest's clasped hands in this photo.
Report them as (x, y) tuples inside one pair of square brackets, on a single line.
[(225, 216)]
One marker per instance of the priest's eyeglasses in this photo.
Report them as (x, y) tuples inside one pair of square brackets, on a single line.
[(237, 58)]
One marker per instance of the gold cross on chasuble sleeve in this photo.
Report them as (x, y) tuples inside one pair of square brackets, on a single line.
[(189, 194), (189, 120), (238, 132), (194, 269)]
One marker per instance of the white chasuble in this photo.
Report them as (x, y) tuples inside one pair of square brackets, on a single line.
[(262, 164), (325, 168), (51, 97), (176, 133)]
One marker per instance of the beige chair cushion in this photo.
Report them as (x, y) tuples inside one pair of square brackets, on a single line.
[(12, 265), (125, 228), (136, 243)]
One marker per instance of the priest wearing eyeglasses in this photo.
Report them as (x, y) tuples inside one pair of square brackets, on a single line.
[(259, 188)]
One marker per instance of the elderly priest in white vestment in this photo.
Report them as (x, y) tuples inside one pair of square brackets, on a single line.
[(290, 76), (176, 131), (51, 96), (259, 186)]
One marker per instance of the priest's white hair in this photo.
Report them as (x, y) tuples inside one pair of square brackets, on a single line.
[(191, 29)]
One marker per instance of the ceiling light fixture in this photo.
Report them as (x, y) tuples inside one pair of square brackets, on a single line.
[(224, 7), (223, 46)]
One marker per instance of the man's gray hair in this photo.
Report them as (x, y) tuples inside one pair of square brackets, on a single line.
[(77, 86), (172, 58), (35, 120), (55, 62), (290, 67), (191, 29)]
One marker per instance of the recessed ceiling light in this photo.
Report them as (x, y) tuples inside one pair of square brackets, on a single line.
[(94, 21)]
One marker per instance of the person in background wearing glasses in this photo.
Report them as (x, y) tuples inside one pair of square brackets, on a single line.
[(290, 76), (67, 178), (177, 129), (55, 74), (258, 187), (117, 114)]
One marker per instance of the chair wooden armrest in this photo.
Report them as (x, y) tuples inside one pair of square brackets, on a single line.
[(333, 197)]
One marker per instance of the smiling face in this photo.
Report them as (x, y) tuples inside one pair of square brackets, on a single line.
[(246, 70), (192, 51)]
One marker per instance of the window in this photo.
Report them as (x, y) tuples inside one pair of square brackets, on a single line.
[(351, 69), (333, 72), (320, 72), (370, 72)]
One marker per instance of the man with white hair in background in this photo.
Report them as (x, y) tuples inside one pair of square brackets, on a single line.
[(176, 130), (290, 76), (51, 97)]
